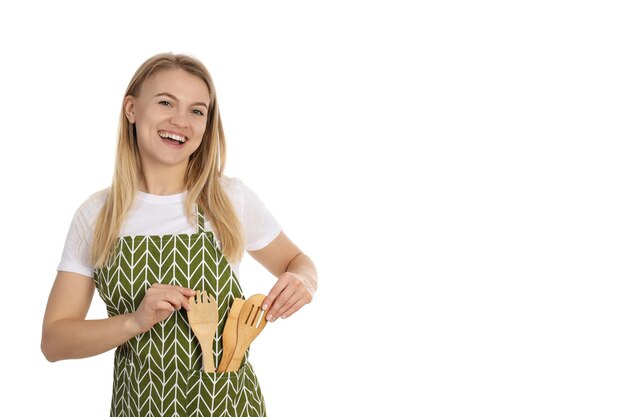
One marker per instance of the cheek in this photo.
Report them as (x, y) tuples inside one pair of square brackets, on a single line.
[(145, 124), (143, 132), (140, 122), (195, 145), (198, 129)]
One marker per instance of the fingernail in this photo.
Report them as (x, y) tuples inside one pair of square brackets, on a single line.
[(284, 316), (264, 307), (270, 317)]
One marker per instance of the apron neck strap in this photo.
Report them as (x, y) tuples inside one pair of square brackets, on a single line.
[(200, 219)]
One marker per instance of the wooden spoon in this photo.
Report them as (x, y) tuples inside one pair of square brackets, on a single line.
[(229, 336), (251, 322), (203, 318)]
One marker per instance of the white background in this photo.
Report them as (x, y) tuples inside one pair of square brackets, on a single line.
[(455, 170)]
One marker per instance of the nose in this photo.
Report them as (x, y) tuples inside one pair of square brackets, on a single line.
[(180, 118)]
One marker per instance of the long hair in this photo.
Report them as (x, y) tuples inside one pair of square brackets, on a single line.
[(202, 177)]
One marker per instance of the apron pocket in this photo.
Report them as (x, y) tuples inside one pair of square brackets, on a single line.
[(232, 394), (211, 394)]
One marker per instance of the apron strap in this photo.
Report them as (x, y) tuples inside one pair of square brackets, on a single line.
[(202, 229), (200, 220)]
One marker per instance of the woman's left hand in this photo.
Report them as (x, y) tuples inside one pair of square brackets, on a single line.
[(289, 294)]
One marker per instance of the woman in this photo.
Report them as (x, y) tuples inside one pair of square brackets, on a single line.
[(170, 225)]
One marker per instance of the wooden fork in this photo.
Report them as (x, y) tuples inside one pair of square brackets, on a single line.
[(203, 318), (250, 323)]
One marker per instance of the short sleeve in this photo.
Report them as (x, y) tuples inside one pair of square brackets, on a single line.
[(76, 252), (259, 225)]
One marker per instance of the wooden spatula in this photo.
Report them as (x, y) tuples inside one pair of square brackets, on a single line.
[(229, 337), (203, 318), (250, 323)]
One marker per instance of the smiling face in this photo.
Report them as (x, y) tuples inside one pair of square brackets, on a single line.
[(170, 117)]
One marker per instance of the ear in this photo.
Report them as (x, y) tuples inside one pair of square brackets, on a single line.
[(129, 108)]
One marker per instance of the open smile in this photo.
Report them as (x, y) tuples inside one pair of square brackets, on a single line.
[(173, 138)]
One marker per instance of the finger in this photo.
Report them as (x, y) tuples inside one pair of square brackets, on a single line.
[(301, 293), (188, 302), (274, 292), (297, 306), (175, 298), (179, 296), (287, 305), (280, 301), (164, 305), (187, 291)]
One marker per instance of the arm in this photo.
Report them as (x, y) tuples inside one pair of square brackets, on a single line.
[(67, 335), (296, 273)]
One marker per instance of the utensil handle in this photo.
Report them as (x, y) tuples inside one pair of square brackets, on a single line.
[(229, 337), (207, 358), (235, 362)]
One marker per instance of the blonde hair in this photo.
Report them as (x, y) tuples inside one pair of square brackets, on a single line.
[(202, 178)]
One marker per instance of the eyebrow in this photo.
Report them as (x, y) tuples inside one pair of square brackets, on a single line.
[(173, 97)]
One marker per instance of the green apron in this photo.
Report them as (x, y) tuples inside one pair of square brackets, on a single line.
[(159, 373)]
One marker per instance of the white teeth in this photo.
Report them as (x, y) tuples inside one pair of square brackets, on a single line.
[(181, 139)]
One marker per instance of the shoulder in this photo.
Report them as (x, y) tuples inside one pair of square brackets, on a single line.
[(96, 200), (230, 184), (260, 226), (234, 189), (91, 206), (236, 186), (240, 194), (76, 252)]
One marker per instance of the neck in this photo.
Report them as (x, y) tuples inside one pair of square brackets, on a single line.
[(163, 181)]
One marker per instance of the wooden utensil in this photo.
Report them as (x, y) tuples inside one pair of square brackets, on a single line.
[(250, 323), (203, 318), (229, 336)]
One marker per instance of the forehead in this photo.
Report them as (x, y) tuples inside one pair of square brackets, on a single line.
[(178, 82)]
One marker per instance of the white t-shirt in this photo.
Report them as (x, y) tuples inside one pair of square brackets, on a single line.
[(165, 215)]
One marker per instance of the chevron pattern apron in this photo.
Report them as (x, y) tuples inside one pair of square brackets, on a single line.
[(159, 373)]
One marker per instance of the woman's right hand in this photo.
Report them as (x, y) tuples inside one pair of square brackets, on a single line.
[(158, 303), (66, 334)]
